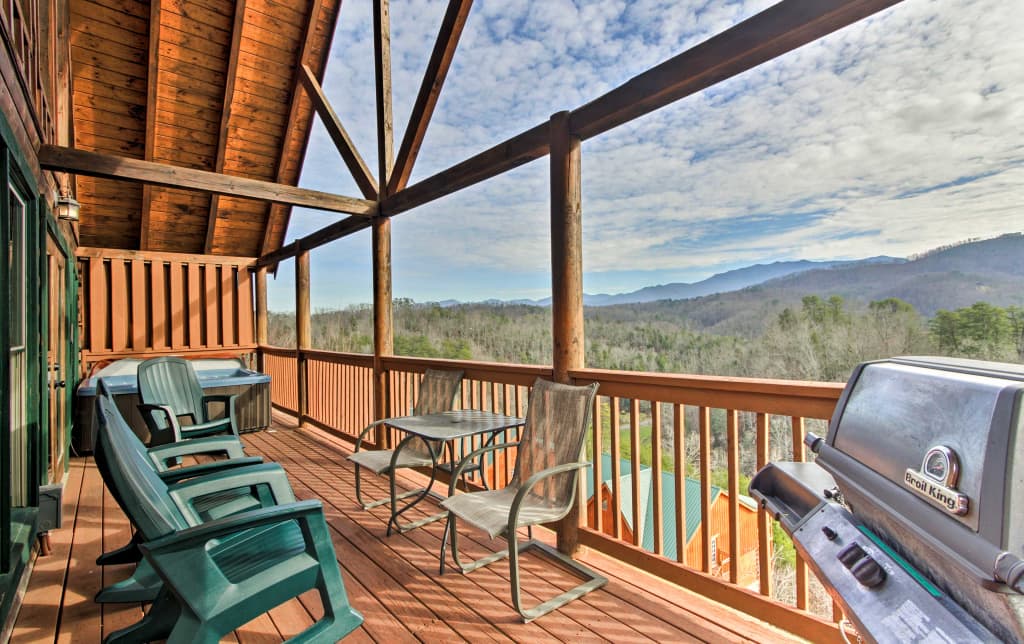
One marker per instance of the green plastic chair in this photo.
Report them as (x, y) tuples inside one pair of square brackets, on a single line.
[(161, 458), (169, 390), (436, 394), (218, 575), (542, 489)]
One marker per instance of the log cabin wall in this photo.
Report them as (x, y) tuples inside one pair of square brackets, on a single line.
[(143, 304)]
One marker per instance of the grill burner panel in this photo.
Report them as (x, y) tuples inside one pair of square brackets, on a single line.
[(928, 455)]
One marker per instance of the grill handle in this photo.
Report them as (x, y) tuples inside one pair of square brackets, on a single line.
[(813, 441)]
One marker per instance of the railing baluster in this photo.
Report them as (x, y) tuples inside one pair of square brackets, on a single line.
[(801, 565), (705, 487), (598, 477), (634, 461), (659, 521), (679, 465), (764, 521), (616, 504), (733, 447)]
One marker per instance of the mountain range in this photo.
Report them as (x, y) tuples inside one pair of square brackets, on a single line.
[(990, 270)]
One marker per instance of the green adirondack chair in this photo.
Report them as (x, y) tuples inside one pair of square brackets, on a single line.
[(218, 575), (162, 457), (169, 390)]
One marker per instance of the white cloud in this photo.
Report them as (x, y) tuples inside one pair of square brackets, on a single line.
[(894, 135)]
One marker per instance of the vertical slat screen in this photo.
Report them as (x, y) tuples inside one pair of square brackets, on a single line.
[(141, 303)]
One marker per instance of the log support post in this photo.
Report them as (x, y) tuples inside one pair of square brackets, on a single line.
[(383, 333), (303, 330), (261, 316), (566, 277)]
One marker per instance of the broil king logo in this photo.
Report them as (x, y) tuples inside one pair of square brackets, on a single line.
[(936, 481)]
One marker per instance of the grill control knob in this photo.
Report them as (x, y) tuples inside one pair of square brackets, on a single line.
[(829, 533), (851, 554), (868, 572)]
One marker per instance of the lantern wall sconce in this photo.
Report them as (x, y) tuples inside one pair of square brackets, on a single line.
[(67, 208)]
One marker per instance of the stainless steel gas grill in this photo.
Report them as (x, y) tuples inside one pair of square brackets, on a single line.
[(912, 514)]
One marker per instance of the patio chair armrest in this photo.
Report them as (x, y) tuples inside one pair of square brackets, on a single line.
[(159, 434), (229, 445), (366, 430), (472, 456), (531, 482), (203, 469), (198, 536), (229, 400), (271, 475)]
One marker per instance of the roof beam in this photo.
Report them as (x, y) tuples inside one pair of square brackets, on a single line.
[(382, 74), (511, 153), (325, 235), (430, 89), (762, 37), (316, 7), (152, 83), (347, 149), (225, 116), (94, 164)]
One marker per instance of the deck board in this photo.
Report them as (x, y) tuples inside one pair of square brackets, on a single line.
[(393, 581)]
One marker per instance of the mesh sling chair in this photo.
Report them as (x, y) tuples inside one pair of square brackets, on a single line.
[(218, 575), (170, 389), (542, 489), (437, 392)]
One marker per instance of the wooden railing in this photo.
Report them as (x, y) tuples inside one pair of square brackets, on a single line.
[(691, 438)]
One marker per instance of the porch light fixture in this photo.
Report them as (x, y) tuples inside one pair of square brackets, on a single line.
[(67, 208)]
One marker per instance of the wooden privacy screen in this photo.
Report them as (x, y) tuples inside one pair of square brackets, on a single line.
[(144, 303)]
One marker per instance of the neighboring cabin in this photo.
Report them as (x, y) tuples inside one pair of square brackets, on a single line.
[(720, 555)]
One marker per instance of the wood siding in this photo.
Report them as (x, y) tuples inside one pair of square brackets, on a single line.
[(139, 303)]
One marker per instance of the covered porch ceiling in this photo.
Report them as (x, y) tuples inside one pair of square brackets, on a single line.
[(191, 117)]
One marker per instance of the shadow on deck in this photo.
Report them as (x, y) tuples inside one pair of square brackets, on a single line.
[(393, 581)]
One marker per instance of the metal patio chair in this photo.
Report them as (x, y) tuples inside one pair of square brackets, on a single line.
[(216, 575), (168, 390), (542, 489), (437, 392)]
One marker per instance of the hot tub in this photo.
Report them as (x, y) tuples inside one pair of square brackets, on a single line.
[(217, 376)]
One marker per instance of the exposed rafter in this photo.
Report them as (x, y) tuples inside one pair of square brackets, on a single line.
[(93, 164), (152, 82), (382, 73), (225, 116), (430, 89), (362, 175), (281, 212)]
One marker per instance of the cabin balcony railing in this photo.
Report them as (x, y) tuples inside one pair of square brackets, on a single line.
[(694, 440)]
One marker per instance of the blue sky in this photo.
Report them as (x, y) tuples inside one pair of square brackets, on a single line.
[(895, 135)]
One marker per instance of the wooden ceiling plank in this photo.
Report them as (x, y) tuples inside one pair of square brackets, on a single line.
[(222, 140), (430, 90), (152, 82), (382, 75), (93, 164), (347, 149), (278, 212)]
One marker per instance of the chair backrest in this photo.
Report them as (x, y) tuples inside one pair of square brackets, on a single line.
[(556, 425), (437, 391), (173, 382), (134, 483)]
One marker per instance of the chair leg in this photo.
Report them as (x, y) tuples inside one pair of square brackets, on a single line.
[(128, 553), (592, 580), (156, 625), (143, 586), (368, 505)]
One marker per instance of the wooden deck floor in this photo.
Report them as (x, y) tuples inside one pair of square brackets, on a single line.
[(393, 581)]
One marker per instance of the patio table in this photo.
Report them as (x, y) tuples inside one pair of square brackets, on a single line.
[(437, 430)]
